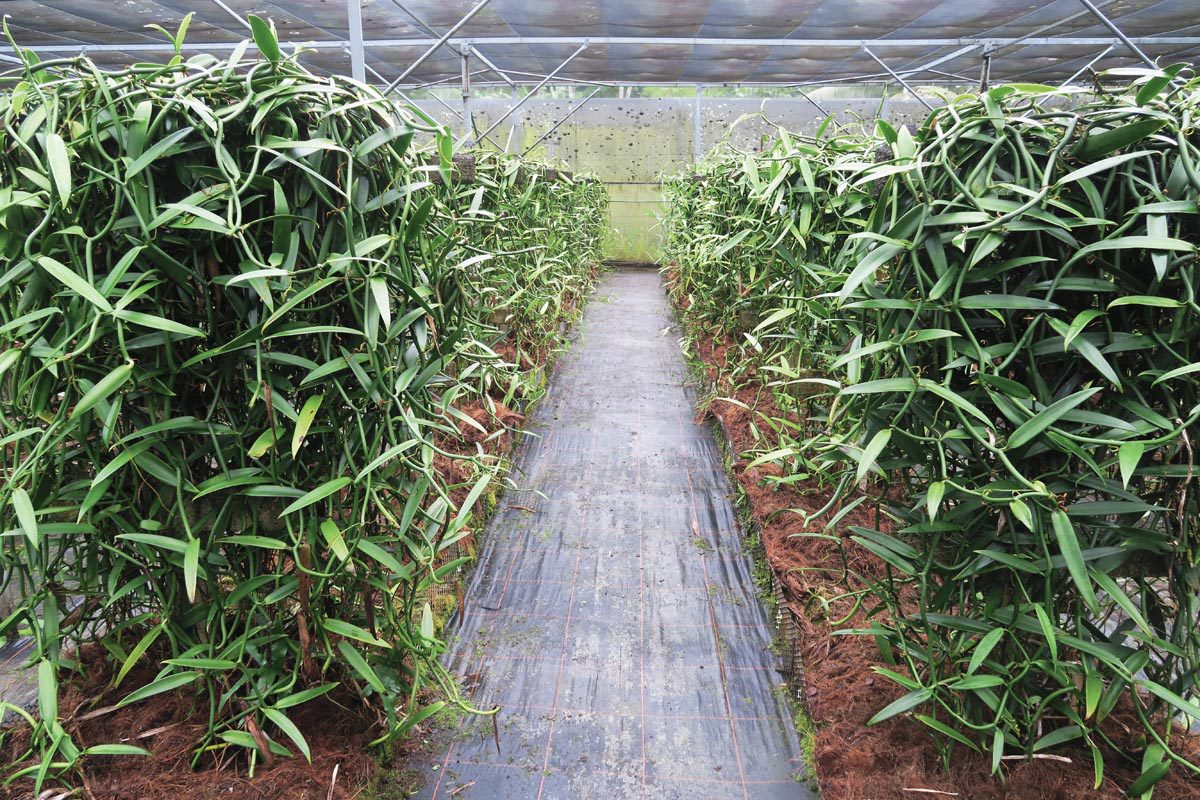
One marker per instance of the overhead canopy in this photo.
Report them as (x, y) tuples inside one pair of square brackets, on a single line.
[(644, 41)]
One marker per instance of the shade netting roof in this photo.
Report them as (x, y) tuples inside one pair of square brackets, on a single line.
[(644, 41)]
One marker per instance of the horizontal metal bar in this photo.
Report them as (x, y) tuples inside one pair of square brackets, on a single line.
[(525, 41)]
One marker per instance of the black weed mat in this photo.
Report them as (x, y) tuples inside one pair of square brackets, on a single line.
[(613, 615)]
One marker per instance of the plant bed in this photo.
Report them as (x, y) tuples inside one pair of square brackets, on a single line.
[(986, 325), (236, 370), (841, 687), (338, 729)]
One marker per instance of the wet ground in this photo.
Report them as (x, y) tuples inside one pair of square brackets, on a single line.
[(613, 615)]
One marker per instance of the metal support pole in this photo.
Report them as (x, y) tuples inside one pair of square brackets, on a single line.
[(815, 104), (468, 120), (1086, 67), (566, 116), (445, 38), (244, 22), (576, 81), (430, 31), (535, 90), (1125, 40), (985, 70), (444, 81), (698, 130), (903, 82), (358, 60)]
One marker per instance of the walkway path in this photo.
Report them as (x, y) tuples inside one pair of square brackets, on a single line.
[(613, 614)]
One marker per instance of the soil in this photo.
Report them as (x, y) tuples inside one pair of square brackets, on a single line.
[(896, 759), (169, 727)]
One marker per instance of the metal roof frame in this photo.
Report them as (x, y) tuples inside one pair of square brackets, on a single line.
[(465, 47)]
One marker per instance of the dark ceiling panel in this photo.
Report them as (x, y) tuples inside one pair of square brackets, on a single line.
[(119, 30)]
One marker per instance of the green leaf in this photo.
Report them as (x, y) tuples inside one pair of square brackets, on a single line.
[(379, 293), (427, 622), (135, 655), (380, 138), (158, 323), (60, 166), (884, 385), (74, 282), (1081, 321), (1150, 776), (1118, 596), (264, 442), (413, 720), (1058, 736), (304, 421), (1031, 428), (1020, 510), (116, 750), (360, 666), (219, 664), (167, 683), (244, 739), (316, 495), (1093, 687), (1177, 373), (8, 358), (103, 388), (157, 151), (984, 648), (1068, 545), (867, 267), (47, 691), (1007, 301), (1128, 456), (288, 727), (1095, 145), (264, 38), (304, 696), (333, 537), (871, 452), (1185, 707), (1146, 300), (26, 516), (417, 221), (946, 731), (351, 631), (905, 703), (1100, 166), (997, 749), (191, 566), (933, 498)]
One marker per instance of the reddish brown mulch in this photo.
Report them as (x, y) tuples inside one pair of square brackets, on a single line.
[(171, 724), (890, 760)]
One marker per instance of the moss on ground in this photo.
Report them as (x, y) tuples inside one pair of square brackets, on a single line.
[(763, 574)]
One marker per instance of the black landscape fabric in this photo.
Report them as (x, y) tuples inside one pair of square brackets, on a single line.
[(613, 615)]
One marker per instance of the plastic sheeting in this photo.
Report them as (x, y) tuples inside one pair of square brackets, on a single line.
[(71, 24), (613, 616)]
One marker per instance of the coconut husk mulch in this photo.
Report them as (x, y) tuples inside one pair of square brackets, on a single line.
[(896, 760)]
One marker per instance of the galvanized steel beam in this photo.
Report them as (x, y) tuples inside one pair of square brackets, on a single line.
[(1108, 23), (898, 77), (525, 41), (535, 89), (482, 58), (433, 48), (358, 60)]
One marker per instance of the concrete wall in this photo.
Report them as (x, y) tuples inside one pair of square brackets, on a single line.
[(632, 144)]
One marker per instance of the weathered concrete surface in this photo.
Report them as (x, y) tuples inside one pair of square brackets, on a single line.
[(613, 615)]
